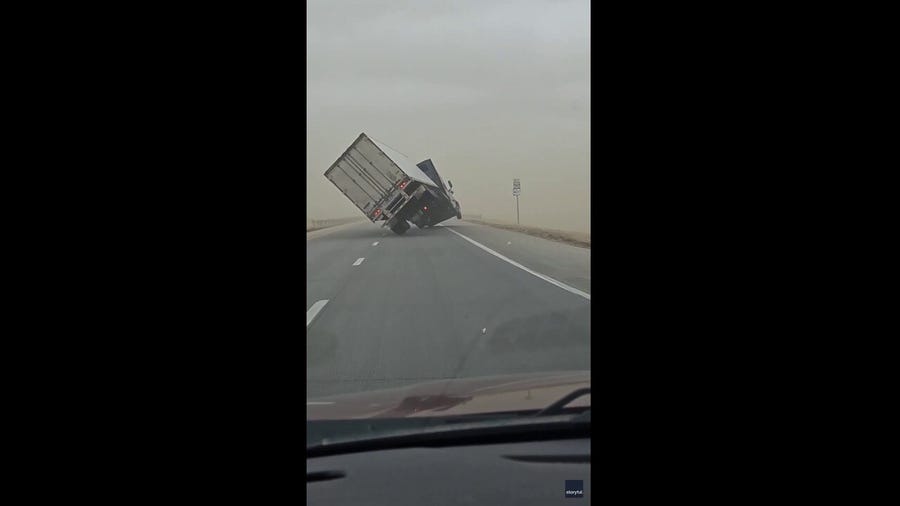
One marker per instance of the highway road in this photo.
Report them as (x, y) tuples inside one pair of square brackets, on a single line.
[(453, 301)]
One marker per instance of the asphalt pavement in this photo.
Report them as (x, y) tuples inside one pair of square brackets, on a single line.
[(453, 301)]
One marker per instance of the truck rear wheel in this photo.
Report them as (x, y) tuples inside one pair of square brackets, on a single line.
[(401, 227)]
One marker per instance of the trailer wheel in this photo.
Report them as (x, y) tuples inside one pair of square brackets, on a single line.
[(400, 228)]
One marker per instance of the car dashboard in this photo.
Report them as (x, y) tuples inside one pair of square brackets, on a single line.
[(520, 473)]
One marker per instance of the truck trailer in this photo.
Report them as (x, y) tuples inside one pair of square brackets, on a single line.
[(386, 186)]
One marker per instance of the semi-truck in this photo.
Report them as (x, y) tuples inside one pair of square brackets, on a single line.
[(386, 186)]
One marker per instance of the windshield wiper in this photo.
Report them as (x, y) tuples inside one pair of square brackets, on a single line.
[(551, 422), (557, 407), (531, 429)]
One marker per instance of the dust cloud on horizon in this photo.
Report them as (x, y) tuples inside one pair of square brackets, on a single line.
[(489, 90)]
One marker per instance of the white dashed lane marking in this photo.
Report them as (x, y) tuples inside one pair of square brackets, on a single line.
[(314, 310), (358, 261), (375, 243)]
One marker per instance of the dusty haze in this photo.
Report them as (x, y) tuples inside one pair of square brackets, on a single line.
[(488, 90)]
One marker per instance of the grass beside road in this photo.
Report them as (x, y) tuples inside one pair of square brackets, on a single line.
[(313, 225), (580, 239)]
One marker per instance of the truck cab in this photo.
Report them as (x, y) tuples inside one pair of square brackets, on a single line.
[(440, 204)]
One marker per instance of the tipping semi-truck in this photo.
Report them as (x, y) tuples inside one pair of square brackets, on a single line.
[(386, 186)]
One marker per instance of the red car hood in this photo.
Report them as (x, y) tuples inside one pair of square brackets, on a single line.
[(466, 396)]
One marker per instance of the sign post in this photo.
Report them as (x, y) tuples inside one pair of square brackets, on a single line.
[(517, 190)]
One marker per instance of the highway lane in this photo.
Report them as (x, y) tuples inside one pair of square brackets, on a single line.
[(431, 305)]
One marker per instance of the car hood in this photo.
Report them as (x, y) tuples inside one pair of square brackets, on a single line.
[(487, 394)]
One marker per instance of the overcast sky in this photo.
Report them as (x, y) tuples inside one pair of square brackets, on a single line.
[(489, 90)]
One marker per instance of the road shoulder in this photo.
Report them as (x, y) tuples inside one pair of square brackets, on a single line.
[(580, 240), (566, 263)]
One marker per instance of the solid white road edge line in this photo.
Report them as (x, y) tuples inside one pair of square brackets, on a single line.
[(314, 310), (526, 269), (358, 261), (317, 403)]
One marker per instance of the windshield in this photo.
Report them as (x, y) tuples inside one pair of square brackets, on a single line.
[(448, 220)]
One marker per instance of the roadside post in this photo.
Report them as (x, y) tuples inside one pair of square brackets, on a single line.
[(517, 190)]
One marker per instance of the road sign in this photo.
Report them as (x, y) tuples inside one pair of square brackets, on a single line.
[(517, 190)]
